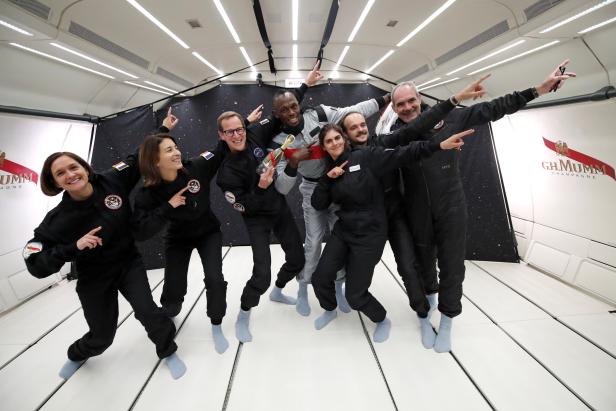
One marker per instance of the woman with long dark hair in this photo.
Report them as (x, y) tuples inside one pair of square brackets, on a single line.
[(92, 227)]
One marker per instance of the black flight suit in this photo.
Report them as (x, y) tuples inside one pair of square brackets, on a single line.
[(104, 270), (436, 204), (360, 233)]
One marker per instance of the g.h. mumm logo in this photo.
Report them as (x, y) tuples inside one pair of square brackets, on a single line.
[(17, 174)]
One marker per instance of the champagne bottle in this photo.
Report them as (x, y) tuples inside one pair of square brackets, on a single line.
[(272, 158)]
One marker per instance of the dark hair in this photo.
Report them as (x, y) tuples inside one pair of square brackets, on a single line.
[(341, 122), (148, 158), (48, 182), (329, 127), (226, 115), (282, 93)]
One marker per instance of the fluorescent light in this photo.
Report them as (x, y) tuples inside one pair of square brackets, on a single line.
[(514, 57), (158, 23), (17, 29), (295, 57), (344, 52), (204, 61), (252, 67), (40, 53), (361, 19), (426, 22), (517, 43), (146, 87), (577, 16), (596, 26), (92, 60), (428, 82), (438, 84), (163, 87), (294, 18), (382, 59), (227, 21)]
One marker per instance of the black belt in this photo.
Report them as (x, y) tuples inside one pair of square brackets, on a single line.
[(314, 180)]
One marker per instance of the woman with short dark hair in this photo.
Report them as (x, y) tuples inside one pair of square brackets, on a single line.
[(92, 227)]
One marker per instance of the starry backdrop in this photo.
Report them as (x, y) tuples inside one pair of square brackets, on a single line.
[(489, 235)]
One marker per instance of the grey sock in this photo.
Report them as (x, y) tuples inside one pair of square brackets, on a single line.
[(343, 304), (69, 368), (176, 366), (241, 326), (278, 296), (302, 306), (220, 342), (443, 339), (433, 300), (427, 333), (324, 319), (381, 333)]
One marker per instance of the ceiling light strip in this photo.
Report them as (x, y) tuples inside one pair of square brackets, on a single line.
[(382, 59), (596, 26), (577, 16), (157, 23), (517, 43), (49, 56), (426, 22), (159, 86), (227, 21), (361, 19), (247, 58), (428, 82), (514, 57), (438, 84), (294, 18), (146, 87), (17, 29), (207, 63), (295, 57), (344, 52), (92, 60)]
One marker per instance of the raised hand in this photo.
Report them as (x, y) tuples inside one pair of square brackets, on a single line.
[(90, 240), (178, 199), (456, 140), (255, 115), (337, 171), (555, 79), (473, 91), (313, 76), (267, 177), (170, 121)]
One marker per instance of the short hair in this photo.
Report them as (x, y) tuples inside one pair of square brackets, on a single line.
[(403, 84), (226, 115), (148, 158), (341, 122), (48, 182), (281, 93), (329, 127)]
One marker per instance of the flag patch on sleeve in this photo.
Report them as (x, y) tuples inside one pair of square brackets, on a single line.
[(120, 166), (32, 248), (207, 155)]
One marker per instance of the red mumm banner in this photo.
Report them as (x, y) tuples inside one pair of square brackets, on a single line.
[(17, 169), (315, 152), (580, 157)]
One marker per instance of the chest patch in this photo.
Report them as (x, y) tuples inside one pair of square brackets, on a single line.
[(356, 167), (239, 207), (439, 125), (230, 197), (194, 186), (264, 121), (207, 155), (258, 153), (120, 166), (32, 248), (113, 201)]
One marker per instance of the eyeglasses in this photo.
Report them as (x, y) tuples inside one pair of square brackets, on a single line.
[(230, 133)]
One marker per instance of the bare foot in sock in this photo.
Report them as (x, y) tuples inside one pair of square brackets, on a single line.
[(220, 342), (381, 333), (69, 368), (242, 332), (176, 366), (302, 306), (443, 339), (325, 318), (278, 296)]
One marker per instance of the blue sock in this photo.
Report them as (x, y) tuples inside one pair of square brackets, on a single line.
[(176, 366), (220, 342), (69, 368), (278, 296), (324, 319), (302, 306), (433, 300), (343, 304), (427, 333), (381, 333), (443, 339), (241, 326)]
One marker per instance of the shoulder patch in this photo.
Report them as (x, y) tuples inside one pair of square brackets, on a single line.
[(230, 197), (32, 248), (113, 201), (239, 207), (439, 125), (194, 186), (207, 155), (264, 121), (120, 166)]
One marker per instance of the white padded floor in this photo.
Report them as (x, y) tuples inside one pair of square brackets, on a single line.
[(524, 341)]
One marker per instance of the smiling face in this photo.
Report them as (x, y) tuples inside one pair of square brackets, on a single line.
[(356, 128), (406, 103), (233, 133), (71, 176), (286, 109), (169, 157), (333, 143)]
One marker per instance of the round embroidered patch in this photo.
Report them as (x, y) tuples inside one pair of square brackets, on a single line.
[(439, 125), (239, 207), (230, 197), (194, 186), (31, 248), (258, 153), (113, 201)]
